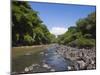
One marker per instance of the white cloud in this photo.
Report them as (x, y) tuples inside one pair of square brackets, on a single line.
[(58, 30)]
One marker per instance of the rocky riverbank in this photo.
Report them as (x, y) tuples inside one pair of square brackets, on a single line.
[(83, 59), (61, 58)]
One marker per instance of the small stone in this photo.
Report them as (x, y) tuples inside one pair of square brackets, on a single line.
[(45, 65), (52, 70), (26, 69), (92, 62), (34, 65), (69, 67), (46, 54), (82, 64), (30, 67), (89, 67)]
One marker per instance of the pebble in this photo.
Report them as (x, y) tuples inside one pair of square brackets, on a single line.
[(34, 65), (52, 70), (82, 64), (30, 68), (92, 62), (69, 67), (46, 54), (45, 65), (26, 69), (81, 56)]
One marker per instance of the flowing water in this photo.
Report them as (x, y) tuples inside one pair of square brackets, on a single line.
[(46, 61), (55, 60)]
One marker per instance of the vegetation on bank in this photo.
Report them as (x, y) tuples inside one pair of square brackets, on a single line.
[(29, 29), (81, 35)]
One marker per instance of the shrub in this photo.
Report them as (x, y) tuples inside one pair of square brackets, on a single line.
[(27, 39), (83, 42)]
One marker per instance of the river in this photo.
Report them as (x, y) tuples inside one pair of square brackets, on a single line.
[(49, 60), (55, 60)]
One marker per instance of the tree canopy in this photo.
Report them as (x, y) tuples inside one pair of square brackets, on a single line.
[(81, 35), (27, 27)]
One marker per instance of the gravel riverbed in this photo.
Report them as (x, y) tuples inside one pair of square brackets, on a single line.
[(83, 59)]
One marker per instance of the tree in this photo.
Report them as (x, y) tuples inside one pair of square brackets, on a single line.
[(27, 27), (83, 34)]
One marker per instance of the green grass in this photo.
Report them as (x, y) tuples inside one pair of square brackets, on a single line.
[(20, 60)]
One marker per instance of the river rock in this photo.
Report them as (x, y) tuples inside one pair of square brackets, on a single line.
[(26, 69), (35, 65), (69, 68), (86, 58), (46, 54), (30, 68), (91, 66), (82, 64), (52, 70), (46, 66)]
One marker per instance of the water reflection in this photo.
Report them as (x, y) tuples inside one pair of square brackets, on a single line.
[(56, 61)]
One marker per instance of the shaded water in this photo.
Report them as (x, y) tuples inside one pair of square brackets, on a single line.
[(55, 60)]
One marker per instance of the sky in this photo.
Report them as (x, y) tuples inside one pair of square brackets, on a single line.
[(58, 17)]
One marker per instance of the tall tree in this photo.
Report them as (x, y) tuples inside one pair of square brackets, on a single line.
[(83, 34), (27, 27)]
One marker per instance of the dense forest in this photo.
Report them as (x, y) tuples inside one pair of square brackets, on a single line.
[(29, 29), (81, 35)]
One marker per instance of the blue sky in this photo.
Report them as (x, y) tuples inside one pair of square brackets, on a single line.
[(58, 17)]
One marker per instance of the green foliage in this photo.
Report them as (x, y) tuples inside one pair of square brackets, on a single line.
[(27, 27), (83, 34), (88, 25), (83, 42), (27, 39)]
